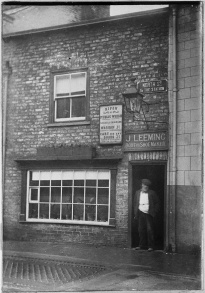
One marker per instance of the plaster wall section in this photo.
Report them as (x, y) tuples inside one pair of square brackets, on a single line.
[(189, 127)]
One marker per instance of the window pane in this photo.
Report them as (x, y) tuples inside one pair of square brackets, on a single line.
[(104, 175), (55, 211), (103, 195), (78, 212), (78, 182), (34, 179), (102, 212), (90, 212), (34, 194), (67, 175), (63, 108), (34, 175), (90, 195), (78, 107), (45, 183), (67, 194), (78, 195), (55, 194), (62, 85), (33, 210), (55, 183), (90, 182), (45, 175), (44, 194), (44, 211), (79, 175), (66, 212), (67, 183), (78, 84), (103, 183)]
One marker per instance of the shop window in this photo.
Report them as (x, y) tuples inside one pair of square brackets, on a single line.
[(69, 100), (69, 196)]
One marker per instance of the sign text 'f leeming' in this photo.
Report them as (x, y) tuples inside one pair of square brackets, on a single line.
[(111, 124), (157, 140)]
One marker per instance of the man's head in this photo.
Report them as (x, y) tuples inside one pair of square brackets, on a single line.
[(145, 185)]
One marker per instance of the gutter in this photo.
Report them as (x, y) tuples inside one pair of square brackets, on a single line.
[(174, 133), (6, 72), (154, 13)]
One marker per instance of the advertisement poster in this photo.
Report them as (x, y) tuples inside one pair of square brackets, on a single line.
[(111, 124)]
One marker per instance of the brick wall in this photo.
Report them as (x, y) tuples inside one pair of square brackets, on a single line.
[(115, 52)]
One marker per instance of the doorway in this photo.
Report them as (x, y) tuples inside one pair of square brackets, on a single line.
[(157, 175)]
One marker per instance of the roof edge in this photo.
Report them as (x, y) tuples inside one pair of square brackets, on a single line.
[(90, 22)]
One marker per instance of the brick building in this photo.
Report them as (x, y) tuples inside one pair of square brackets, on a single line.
[(73, 155)]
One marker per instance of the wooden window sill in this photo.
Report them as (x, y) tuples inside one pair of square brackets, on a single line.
[(65, 124)]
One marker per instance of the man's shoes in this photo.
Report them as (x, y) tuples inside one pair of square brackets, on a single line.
[(150, 249), (137, 248)]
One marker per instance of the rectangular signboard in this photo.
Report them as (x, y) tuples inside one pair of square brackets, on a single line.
[(152, 86), (111, 124), (146, 141)]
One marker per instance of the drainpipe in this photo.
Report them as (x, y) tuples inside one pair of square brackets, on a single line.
[(6, 74), (174, 125)]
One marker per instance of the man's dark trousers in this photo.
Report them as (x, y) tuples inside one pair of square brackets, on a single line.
[(146, 230)]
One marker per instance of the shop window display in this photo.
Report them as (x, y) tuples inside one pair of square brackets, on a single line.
[(69, 196)]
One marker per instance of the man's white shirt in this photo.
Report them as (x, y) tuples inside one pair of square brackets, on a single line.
[(144, 202)]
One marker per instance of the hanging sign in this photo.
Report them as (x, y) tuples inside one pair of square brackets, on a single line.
[(146, 141), (111, 124), (152, 86)]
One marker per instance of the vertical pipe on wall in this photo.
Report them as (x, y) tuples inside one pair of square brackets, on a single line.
[(6, 73), (174, 133)]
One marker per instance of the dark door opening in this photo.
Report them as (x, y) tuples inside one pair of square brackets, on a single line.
[(155, 173)]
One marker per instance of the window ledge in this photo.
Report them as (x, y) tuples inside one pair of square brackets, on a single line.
[(66, 223), (73, 123)]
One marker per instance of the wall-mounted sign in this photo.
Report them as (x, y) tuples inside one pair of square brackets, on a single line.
[(152, 86), (146, 141), (111, 124)]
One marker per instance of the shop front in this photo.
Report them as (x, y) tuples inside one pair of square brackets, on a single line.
[(147, 155)]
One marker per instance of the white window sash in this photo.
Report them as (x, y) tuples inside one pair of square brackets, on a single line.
[(69, 94)]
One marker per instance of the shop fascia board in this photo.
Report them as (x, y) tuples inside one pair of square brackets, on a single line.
[(65, 162), (138, 15)]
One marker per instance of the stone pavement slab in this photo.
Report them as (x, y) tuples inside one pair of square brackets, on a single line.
[(114, 268)]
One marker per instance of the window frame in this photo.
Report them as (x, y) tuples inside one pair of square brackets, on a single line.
[(73, 204), (53, 108), (108, 164)]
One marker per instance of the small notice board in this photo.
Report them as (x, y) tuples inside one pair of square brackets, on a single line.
[(111, 124), (153, 86)]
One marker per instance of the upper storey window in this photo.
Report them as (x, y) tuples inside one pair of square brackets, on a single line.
[(70, 93)]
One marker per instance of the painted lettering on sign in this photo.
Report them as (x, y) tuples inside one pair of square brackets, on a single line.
[(153, 86), (111, 124), (146, 141)]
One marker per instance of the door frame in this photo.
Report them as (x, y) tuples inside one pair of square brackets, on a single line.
[(131, 164)]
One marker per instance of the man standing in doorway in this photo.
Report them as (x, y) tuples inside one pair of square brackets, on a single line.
[(146, 205)]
